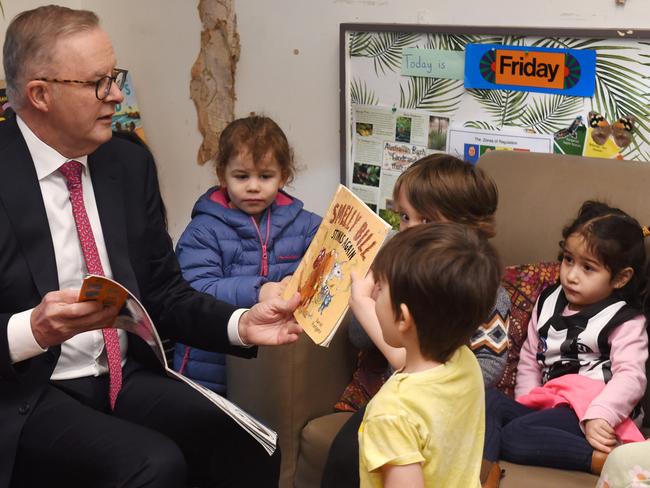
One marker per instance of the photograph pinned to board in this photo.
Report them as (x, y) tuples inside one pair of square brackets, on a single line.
[(572, 139), (386, 141)]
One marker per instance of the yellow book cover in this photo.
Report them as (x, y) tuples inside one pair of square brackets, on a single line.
[(347, 240)]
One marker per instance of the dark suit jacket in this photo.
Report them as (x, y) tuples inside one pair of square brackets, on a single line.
[(140, 253)]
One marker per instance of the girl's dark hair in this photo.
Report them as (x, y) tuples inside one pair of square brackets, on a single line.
[(258, 135), (441, 185), (616, 239)]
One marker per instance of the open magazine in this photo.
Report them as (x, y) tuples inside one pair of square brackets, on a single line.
[(347, 240), (134, 319)]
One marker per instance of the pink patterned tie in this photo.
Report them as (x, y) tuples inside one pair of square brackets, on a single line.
[(72, 172)]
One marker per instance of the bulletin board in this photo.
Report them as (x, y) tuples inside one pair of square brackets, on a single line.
[(437, 113)]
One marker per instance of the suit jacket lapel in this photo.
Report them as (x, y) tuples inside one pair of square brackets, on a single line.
[(20, 194), (107, 185)]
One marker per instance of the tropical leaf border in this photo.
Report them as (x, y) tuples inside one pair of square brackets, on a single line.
[(619, 89)]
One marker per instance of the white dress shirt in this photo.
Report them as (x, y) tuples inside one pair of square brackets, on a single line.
[(83, 354)]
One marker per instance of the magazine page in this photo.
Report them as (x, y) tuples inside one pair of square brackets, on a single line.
[(133, 318), (268, 438), (347, 240)]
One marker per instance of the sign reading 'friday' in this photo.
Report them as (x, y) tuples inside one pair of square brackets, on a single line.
[(546, 70)]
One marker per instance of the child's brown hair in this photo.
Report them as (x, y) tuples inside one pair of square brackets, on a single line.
[(260, 136), (447, 274), (441, 185)]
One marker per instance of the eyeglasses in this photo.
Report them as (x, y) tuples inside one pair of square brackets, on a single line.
[(102, 85)]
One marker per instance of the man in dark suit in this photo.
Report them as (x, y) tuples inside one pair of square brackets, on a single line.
[(81, 404)]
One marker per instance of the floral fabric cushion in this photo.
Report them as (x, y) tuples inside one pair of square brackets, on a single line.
[(372, 372), (523, 283)]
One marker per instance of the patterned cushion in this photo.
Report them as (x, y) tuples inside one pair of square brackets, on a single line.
[(371, 373), (523, 283)]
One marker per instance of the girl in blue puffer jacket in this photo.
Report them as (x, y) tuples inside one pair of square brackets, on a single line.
[(247, 235)]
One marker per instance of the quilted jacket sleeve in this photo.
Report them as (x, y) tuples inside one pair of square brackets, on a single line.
[(201, 260)]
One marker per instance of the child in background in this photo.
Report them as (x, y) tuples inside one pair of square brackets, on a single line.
[(437, 188), (628, 466), (442, 188), (425, 425), (586, 341), (246, 235)]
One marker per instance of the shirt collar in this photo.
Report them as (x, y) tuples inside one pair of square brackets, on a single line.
[(46, 159)]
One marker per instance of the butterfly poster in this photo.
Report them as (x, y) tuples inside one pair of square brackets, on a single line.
[(605, 140)]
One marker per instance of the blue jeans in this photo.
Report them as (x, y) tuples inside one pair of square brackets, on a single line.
[(522, 435)]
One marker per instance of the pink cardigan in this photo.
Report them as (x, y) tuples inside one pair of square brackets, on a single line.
[(616, 399)]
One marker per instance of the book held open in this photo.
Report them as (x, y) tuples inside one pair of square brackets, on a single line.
[(347, 240), (134, 319)]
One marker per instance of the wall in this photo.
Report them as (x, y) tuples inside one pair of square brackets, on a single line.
[(158, 40)]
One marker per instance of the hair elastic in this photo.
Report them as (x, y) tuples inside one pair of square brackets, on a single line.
[(645, 230)]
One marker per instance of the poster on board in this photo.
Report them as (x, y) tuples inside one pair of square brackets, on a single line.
[(470, 144), (385, 142)]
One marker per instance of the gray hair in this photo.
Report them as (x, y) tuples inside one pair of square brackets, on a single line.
[(31, 40)]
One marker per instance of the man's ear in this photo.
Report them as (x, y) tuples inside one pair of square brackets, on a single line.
[(39, 95), (623, 277), (405, 318)]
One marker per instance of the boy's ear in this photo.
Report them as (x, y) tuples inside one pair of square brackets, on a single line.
[(623, 277), (405, 319)]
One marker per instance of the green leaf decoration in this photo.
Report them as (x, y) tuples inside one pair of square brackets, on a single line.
[(622, 84), (505, 106), (480, 124), (359, 42), (435, 94), (385, 49), (512, 40), (360, 94), (549, 114), (566, 43), (451, 42), (619, 90)]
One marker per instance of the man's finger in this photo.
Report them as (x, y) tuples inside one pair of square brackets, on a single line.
[(76, 310), (292, 303), (294, 328), (104, 317)]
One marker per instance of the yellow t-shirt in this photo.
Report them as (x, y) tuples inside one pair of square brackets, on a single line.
[(434, 417)]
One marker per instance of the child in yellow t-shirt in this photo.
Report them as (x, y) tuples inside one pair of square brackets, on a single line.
[(425, 427)]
